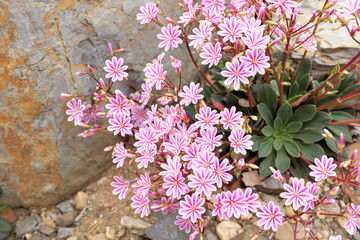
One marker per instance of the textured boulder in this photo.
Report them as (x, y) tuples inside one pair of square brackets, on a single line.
[(42, 44)]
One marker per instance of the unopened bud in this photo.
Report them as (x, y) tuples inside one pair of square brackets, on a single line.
[(330, 4), (109, 148), (80, 73), (353, 155), (102, 83), (65, 95), (169, 20), (81, 124), (341, 19), (327, 134), (110, 49), (334, 191), (329, 201), (353, 30), (179, 5), (275, 42), (89, 67), (341, 142), (253, 166)]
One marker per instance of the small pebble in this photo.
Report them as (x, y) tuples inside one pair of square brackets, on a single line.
[(110, 233), (80, 200)]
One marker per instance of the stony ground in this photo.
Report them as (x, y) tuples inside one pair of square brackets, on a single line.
[(96, 214)]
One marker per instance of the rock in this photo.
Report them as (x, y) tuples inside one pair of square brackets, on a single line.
[(211, 236), (332, 208), (251, 229), (80, 200), (289, 211), (65, 232), (271, 183), (47, 230), (325, 233), (300, 232), (275, 199), (135, 223), (50, 41), (67, 206), (226, 230), (39, 236), (341, 221), (49, 222), (100, 236), (72, 238), (8, 214), (354, 197), (110, 233), (121, 231), (284, 232), (26, 225), (66, 219), (165, 229)]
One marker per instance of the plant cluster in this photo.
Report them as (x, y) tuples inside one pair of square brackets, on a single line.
[(191, 140)]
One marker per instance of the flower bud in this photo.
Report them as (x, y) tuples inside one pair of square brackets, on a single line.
[(341, 142), (65, 95), (80, 73), (353, 155), (353, 30), (81, 124), (109, 148), (327, 134), (253, 166), (334, 191), (329, 201), (110, 49), (341, 19), (89, 67), (102, 83)]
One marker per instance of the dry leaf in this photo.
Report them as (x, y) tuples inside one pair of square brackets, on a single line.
[(252, 179)]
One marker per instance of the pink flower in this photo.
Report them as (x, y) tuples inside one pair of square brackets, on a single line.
[(218, 207), (209, 139), (189, 16), (175, 185), (230, 119), (350, 7), (91, 113), (211, 15), (255, 39), (204, 159), (165, 205), (144, 158), (353, 219), (120, 124), (139, 116), (323, 169), (120, 153), (338, 237), (257, 61), (231, 29), (313, 188), (172, 167), (118, 106), (270, 216), (115, 69), (146, 139), (206, 118), (285, 6), (176, 144), (184, 224), (234, 204), (191, 95), (176, 63), (155, 75), (121, 187), (240, 142), (217, 5), (76, 110), (169, 37), (141, 203), (211, 54), (308, 42), (149, 12), (237, 73), (297, 194), (250, 200), (220, 171), (203, 181), (143, 184), (201, 34), (277, 175), (192, 208)]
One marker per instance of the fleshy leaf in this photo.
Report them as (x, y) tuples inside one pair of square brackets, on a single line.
[(292, 148), (268, 96), (284, 112), (267, 131), (5, 229), (278, 124), (310, 151), (277, 144), (266, 113), (308, 135), (298, 168), (304, 113), (320, 121), (293, 127), (269, 161), (337, 129), (266, 147), (282, 161), (257, 140), (338, 116), (207, 92)]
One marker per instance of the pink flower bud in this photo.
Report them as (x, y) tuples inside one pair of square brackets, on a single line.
[(353, 155), (110, 49), (275, 42), (89, 67), (334, 191), (327, 134), (109, 148), (329, 201), (341, 142), (80, 73), (102, 83), (176, 63), (169, 20), (65, 95), (81, 124), (353, 30)]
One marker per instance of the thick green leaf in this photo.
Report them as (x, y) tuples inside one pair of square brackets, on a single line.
[(233, 100), (268, 96), (257, 140), (267, 131), (348, 90), (284, 112), (5, 229), (265, 113), (293, 127), (339, 116), (304, 113), (292, 148), (337, 129), (282, 161), (277, 144), (278, 124), (320, 121), (310, 151), (275, 87), (266, 147), (305, 69), (331, 144), (294, 90), (269, 161), (304, 82), (347, 81), (207, 90), (326, 100), (308, 135), (298, 168), (190, 110)]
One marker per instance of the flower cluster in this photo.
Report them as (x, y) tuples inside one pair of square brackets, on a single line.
[(186, 146)]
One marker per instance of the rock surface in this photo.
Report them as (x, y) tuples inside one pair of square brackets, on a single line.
[(26, 225), (227, 230), (42, 45)]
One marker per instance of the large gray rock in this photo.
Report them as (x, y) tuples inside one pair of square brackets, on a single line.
[(42, 45)]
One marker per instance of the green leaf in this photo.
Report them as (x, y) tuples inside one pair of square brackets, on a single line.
[(268, 96), (293, 127), (305, 69), (266, 147), (275, 87), (5, 228), (298, 168), (337, 129), (284, 112), (282, 161), (277, 144), (310, 151), (326, 100), (320, 121), (190, 110), (257, 140), (347, 81), (308, 135), (292, 148), (233, 100), (278, 124), (304, 82), (339, 116), (304, 113), (265, 113), (207, 90), (331, 144), (294, 90), (267, 131), (269, 161)]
